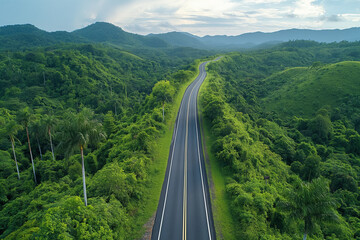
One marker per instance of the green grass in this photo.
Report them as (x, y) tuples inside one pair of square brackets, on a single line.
[(303, 91), (223, 220), (158, 168)]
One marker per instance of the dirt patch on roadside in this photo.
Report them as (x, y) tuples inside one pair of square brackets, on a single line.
[(148, 228)]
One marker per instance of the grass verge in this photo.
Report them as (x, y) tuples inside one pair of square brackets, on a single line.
[(158, 167), (223, 220)]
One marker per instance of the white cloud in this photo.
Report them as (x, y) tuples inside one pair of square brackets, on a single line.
[(196, 16), (307, 8), (252, 2), (351, 17)]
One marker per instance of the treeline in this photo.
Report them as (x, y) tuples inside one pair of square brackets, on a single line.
[(288, 176), (79, 119)]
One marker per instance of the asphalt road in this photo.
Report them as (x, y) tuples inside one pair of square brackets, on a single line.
[(184, 210)]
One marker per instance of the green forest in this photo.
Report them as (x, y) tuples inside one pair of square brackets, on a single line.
[(284, 128), (79, 127)]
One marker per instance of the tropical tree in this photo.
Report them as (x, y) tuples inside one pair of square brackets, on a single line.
[(109, 123), (77, 132), (37, 128), (25, 117), (11, 129), (50, 121), (164, 92), (310, 203)]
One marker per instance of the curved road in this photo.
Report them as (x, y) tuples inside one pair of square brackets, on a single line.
[(184, 210)]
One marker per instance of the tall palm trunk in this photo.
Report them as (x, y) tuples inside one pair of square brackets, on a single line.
[(51, 145), (37, 139), (305, 236), (163, 112), (13, 148), (31, 156), (83, 173)]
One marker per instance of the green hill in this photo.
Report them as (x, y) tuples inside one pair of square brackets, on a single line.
[(16, 37), (106, 32), (302, 91), (27, 36)]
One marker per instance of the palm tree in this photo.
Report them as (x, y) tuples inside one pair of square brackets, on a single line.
[(49, 122), (311, 203), (37, 132), (78, 131), (11, 129), (25, 117)]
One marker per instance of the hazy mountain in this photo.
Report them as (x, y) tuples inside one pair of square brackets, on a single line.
[(257, 39), (181, 39)]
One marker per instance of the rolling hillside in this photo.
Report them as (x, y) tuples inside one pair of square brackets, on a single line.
[(106, 32), (302, 91), (26, 36), (263, 160)]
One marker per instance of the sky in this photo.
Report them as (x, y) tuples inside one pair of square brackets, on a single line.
[(199, 17)]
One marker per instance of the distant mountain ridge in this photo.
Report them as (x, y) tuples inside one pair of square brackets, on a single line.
[(27, 35), (248, 40), (182, 39)]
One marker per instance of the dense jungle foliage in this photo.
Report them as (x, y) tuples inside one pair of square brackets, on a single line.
[(286, 124), (64, 102)]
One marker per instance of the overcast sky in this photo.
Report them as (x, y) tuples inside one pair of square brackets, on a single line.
[(200, 17)]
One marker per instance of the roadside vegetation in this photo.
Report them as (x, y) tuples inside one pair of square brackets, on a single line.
[(284, 130)]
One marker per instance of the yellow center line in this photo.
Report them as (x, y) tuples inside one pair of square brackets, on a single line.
[(185, 168)]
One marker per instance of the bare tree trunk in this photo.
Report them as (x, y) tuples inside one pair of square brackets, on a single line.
[(37, 139), (44, 78), (125, 92), (13, 148), (31, 156), (51, 145), (305, 236), (83, 173), (163, 112)]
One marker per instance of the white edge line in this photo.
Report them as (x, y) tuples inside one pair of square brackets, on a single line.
[(170, 168), (202, 182)]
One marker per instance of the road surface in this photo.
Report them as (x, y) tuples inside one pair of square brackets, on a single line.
[(184, 210)]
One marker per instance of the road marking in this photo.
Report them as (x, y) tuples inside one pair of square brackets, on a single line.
[(202, 182), (171, 161), (185, 162)]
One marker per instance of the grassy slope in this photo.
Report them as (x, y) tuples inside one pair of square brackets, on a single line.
[(224, 224), (328, 84), (158, 168)]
